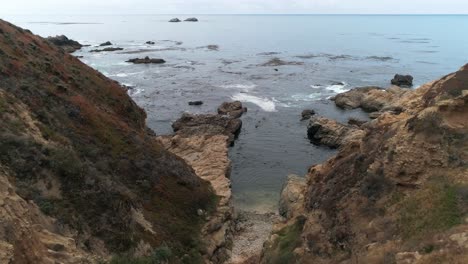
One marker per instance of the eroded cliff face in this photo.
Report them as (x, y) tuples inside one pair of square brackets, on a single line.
[(203, 141), (396, 192), (82, 177)]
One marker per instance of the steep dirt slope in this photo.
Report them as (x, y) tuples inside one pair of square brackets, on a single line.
[(399, 194), (74, 145)]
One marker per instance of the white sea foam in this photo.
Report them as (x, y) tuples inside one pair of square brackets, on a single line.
[(306, 97), (123, 74), (265, 104), (338, 88)]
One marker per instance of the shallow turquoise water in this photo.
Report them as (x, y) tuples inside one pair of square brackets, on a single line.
[(331, 53)]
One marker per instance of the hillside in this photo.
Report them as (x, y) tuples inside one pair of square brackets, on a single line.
[(82, 176), (396, 192)]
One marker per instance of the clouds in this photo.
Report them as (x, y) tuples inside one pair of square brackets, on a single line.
[(232, 6)]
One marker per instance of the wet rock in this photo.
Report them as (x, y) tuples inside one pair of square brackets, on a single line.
[(106, 49), (280, 62), (354, 98), (150, 42), (356, 122), (402, 80), (107, 43), (208, 124), (232, 109), (191, 19), (213, 47), (174, 20), (146, 60), (307, 114), (195, 103), (67, 44), (292, 196), (324, 131)]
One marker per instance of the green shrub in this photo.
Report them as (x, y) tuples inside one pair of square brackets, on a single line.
[(432, 209), (289, 238)]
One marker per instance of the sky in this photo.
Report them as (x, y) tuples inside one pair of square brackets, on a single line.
[(234, 7)]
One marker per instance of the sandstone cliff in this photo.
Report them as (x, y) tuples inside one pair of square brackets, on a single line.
[(82, 177), (396, 192)]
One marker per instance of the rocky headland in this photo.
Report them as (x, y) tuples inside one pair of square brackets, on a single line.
[(65, 43), (83, 180), (396, 190)]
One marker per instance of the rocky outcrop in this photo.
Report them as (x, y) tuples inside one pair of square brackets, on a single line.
[(203, 141), (196, 103), (80, 173), (191, 19), (106, 49), (232, 109), (292, 197), (307, 114), (65, 43), (175, 20), (395, 194), (324, 131), (208, 124), (402, 80), (107, 43), (146, 60)]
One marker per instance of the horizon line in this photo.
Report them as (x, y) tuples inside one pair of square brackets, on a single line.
[(247, 14)]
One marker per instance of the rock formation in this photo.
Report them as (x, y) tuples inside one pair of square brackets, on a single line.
[(191, 19), (107, 43), (402, 80), (65, 43), (203, 141), (232, 109), (106, 49), (174, 20), (146, 60), (324, 131), (82, 179), (395, 194)]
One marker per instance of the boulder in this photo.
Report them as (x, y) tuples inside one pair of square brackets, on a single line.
[(146, 60), (292, 196), (207, 125), (174, 20), (307, 114), (106, 49), (328, 132), (195, 103), (402, 80), (232, 109), (191, 19), (354, 98), (67, 44), (107, 43)]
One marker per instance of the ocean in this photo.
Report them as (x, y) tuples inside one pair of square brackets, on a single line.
[(277, 65)]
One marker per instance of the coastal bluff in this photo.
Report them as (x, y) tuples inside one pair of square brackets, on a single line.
[(396, 190), (83, 179)]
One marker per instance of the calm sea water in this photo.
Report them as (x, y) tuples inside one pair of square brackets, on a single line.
[(327, 54)]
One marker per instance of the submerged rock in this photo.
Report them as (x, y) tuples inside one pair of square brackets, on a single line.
[(402, 80), (307, 114), (191, 19), (67, 44), (107, 43), (146, 60), (174, 20), (195, 103), (106, 49)]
